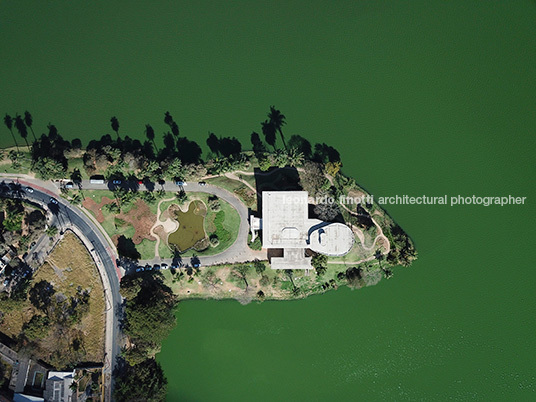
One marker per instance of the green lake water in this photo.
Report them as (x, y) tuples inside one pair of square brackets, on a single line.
[(419, 97)]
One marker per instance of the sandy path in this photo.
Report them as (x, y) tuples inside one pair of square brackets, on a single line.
[(168, 225)]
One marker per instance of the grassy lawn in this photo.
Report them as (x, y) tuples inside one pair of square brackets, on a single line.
[(219, 282), (77, 163), (146, 249), (239, 189), (68, 267), (225, 223)]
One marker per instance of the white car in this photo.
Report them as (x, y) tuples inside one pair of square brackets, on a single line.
[(29, 189)]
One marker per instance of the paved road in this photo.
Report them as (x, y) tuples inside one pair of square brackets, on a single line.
[(69, 217), (238, 252)]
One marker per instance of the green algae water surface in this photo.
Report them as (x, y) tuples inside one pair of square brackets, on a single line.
[(420, 98)]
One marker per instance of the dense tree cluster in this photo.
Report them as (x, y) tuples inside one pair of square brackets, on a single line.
[(402, 249), (149, 317)]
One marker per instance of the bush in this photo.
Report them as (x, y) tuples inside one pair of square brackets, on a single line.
[(214, 203), (257, 244), (36, 328), (214, 241), (320, 263)]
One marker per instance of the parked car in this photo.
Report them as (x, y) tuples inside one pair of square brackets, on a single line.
[(174, 266), (181, 183), (165, 266), (202, 183), (116, 182), (54, 201), (29, 189), (69, 185), (156, 266), (139, 269)]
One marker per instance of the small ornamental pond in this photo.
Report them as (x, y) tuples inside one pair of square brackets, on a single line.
[(191, 232)]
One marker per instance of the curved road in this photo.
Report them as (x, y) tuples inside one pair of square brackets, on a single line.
[(69, 217), (237, 252), (105, 255)]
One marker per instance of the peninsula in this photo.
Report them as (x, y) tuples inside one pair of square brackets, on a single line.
[(160, 225)]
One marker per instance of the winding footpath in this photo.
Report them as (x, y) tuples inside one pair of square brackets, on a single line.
[(168, 222), (101, 248)]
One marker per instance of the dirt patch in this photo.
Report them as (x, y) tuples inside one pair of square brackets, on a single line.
[(160, 232), (142, 219), (91, 205), (69, 268)]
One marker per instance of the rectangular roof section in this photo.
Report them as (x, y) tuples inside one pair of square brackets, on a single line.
[(284, 219)]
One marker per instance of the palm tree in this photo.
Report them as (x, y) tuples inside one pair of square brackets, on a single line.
[(8, 121), (149, 132), (29, 121), (115, 125), (268, 129), (51, 231), (278, 120), (21, 128)]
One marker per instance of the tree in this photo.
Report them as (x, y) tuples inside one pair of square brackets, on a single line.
[(241, 272), (181, 196), (312, 178), (301, 144), (149, 315), (354, 276), (76, 199), (294, 157), (115, 125), (40, 295), (36, 328), (22, 129), (48, 168), (290, 275), (259, 266), (320, 263), (143, 382), (332, 168), (327, 211), (8, 121), (174, 170), (277, 119), (149, 133), (29, 122), (268, 130), (51, 231), (76, 176)]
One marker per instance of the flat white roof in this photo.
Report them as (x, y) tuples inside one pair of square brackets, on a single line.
[(286, 225), (284, 219)]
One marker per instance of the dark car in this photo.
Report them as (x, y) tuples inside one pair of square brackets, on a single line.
[(54, 201), (116, 182)]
